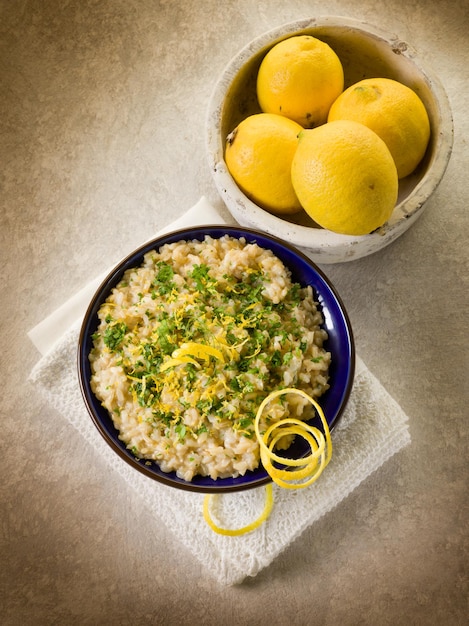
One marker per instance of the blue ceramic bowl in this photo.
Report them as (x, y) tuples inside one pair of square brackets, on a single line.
[(304, 271)]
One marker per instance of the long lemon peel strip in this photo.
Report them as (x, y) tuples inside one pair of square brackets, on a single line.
[(300, 473), (309, 467), (188, 352), (301, 429), (197, 350), (269, 502), (172, 362)]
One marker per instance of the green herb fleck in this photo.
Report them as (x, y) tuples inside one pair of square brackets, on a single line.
[(114, 334), (163, 280)]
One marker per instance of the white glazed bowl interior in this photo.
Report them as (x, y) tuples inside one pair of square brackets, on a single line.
[(364, 52)]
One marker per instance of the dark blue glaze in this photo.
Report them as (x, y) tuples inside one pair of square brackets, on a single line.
[(305, 272)]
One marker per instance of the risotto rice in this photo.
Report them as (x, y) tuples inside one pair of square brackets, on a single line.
[(190, 343)]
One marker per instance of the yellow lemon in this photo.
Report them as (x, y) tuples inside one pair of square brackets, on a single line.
[(258, 154), (394, 112), (345, 177), (300, 77)]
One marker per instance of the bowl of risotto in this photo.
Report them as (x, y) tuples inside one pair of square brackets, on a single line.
[(189, 334), (365, 52)]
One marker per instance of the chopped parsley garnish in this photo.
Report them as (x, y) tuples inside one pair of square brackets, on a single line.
[(201, 351), (165, 332), (203, 281), (181, 431), (114, 334), (163, 280)]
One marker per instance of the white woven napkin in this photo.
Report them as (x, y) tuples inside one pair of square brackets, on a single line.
[(372, 429)]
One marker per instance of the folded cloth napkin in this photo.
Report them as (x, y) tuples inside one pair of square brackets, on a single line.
[(372, 429)]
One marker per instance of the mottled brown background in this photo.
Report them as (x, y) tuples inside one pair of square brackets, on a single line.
[(102, 113)]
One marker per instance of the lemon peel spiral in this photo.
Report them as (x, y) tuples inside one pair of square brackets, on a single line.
[(309, 467)]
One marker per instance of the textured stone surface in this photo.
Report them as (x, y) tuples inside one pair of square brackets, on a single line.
[(102, 112)]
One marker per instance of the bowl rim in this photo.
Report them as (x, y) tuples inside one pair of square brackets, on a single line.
[(133, 259), (326, 246)]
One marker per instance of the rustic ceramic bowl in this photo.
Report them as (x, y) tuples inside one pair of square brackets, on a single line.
[(364, 52)]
